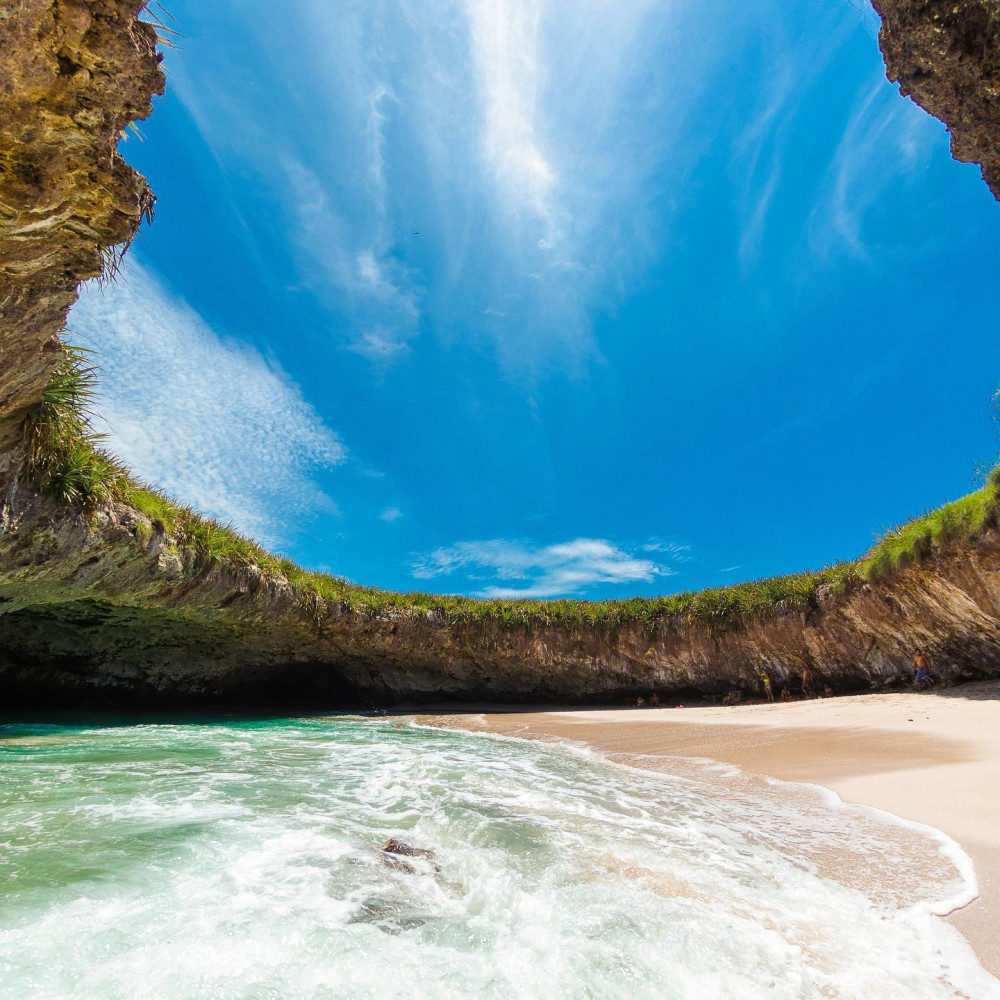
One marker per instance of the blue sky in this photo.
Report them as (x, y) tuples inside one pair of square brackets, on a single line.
[(528, 297)]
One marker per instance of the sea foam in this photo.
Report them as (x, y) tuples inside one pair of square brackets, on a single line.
[(241, 860)]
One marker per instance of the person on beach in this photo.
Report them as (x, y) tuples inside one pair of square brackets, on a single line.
[(921, 671), (640, 702), (654, 700), (765, 679), (807, 684)]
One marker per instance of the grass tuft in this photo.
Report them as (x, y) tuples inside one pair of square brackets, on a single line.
[(214, 541), (909, 544), (61, 453), (113, 255)]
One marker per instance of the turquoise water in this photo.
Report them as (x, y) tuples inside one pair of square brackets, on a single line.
[(240, 859)]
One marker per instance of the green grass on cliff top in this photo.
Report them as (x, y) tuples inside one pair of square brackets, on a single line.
[(898, 548), (720, 607), (62, 457)]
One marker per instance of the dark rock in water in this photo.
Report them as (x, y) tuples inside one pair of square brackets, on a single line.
[(392, 846), (398, 864), (393, 852), (390, 917)]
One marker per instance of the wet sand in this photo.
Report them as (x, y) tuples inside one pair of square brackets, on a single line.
[(930, 758)]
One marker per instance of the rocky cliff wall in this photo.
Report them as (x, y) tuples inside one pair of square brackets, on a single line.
[(112, 610), (73, 74), (109, 607), (945, 54)]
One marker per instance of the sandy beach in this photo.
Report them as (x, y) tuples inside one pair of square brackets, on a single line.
[(931, 758)]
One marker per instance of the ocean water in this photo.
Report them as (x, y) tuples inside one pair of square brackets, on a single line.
[(240, 860)]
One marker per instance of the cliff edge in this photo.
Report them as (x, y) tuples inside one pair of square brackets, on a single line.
[(113, 608)]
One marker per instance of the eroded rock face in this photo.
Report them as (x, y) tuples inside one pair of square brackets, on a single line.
[(93, 612), (73, 74), (945, 54)]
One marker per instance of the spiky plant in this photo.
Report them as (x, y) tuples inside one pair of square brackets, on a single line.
[(61, 452)]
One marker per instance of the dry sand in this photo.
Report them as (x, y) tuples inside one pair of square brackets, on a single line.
[(931, 758)]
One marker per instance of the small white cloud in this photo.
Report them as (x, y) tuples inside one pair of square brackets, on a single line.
[(391, 514), (731, 569), (369, 269), (388, 282), (377, 289), (207, 419), (548, 571), (378, 345), (677, 551)]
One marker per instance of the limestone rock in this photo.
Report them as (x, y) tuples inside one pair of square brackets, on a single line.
[(73, 74), (945, 54)]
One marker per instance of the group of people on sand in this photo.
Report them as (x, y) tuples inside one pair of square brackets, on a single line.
[(922, 680), (653, 701), (806, 686)]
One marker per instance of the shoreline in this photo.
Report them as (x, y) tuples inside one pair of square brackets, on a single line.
[(930, 759)]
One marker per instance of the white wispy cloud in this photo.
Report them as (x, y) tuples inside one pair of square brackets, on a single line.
[(562, 185), (377, 291), (545, 571), (881, 144), (510, 132), (761, 148), (506, 55), (375, 136), (206, 418), (379, 346), (391, 514), (678, 551)]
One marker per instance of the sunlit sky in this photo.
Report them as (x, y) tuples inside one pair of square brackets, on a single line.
[(531, 297)]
